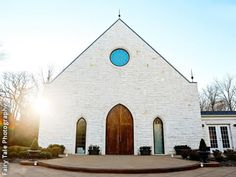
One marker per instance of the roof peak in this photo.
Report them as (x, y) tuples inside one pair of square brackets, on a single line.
[(127, 26)]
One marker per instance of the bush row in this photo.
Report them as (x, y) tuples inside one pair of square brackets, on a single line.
[(52, 151), (25, 155), (187, 153), (190, 154), (180, 148), (228, 155)]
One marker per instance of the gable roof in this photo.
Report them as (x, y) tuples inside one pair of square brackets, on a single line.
[(136, 35)]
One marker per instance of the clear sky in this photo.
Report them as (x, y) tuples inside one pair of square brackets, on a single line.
[(194, 34)]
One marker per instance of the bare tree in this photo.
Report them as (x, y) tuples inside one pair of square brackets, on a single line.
[(227, 89), (219, 96), (15, 89), (211, 94), (203, 102), (47, 75)]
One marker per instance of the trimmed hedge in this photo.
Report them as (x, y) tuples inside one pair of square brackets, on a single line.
[(230, 154), (190, 154), (23, 155), (45, 155), (22, 152), (61, 147), (194, 155), (13, 154), (55, 151), (218, 155), (17, 152), (185, 153), (180, 148), (51, 151)]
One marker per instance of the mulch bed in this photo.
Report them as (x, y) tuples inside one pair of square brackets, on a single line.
[(228, 163)]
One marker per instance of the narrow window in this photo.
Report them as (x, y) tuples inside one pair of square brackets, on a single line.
[(80, 136), (158, 136), (213, 137)]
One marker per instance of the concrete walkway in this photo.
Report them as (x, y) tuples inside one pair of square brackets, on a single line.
[(17, 170), (120, 164)]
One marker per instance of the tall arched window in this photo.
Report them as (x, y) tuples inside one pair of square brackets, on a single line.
[(158, 136), (80, 136)]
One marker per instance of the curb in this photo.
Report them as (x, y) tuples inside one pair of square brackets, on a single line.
[(123, 171)]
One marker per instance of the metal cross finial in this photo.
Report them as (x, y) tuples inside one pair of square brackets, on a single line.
[(119, 14), (192, 75)]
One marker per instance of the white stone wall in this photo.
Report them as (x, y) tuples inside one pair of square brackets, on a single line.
[(220, 120), (148, 86)]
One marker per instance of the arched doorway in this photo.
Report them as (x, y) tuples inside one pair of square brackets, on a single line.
[(119, 131), (80, 136), (158, 136)]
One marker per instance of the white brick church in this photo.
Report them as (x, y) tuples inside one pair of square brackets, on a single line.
[(121, 94)]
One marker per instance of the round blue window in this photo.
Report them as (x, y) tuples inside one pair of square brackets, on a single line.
[(119, 57)]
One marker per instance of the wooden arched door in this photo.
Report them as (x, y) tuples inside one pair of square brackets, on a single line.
[(119, 131)]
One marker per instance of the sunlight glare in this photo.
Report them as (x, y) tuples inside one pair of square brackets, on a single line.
[(41, 105)]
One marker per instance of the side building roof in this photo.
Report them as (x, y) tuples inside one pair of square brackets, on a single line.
[(218, 113)]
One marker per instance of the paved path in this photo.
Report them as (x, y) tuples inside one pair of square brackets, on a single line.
[(121, 162), (17, 170)]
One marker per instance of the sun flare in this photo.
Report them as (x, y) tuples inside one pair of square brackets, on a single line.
[(40, 105)]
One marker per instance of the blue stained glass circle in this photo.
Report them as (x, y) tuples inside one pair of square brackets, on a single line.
[(119, 57)]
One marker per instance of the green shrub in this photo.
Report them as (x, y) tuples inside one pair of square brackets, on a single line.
[(94, 147), (45, 155), (185, 153), (55, 151), (145, 150), (23, 154), (230, 154), (94, 150), (61, 147), (17, 151), (203, 146), (180, 148), (44, 150), (218, 155), (13, 154), (34, 145), (194, 155)]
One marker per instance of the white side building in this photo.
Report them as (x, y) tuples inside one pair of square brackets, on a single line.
[(219, 128)]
